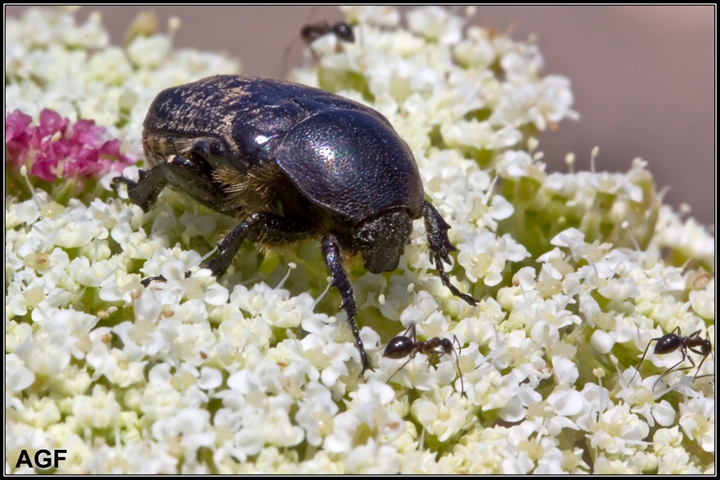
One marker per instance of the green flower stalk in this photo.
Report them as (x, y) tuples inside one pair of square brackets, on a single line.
[(256, 371)]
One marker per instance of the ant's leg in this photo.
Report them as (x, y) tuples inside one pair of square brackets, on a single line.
[(413, 335), (457, 363), (402, 366), (700, 366), (705, 350), (643, 357), (685, 355), (455, 340)]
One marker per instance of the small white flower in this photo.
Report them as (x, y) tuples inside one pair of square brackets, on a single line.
[(316, 413), (100, 410), (372, 458), (435, 23), (209, 378), (703, 303), (697, 420), (17, 376), (618, 431), (386, 15), (441, 413)]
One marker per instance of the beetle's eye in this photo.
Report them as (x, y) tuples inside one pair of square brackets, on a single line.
[(364, 238)]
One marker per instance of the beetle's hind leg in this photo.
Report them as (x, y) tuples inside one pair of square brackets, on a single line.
[(440, 247)]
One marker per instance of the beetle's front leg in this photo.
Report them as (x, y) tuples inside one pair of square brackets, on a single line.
[(259, 227), (440, 247), (145, 191), (331, 252), (176, 169)]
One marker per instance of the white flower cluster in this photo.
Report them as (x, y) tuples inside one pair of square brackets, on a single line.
[(51, 62), (255, 373)]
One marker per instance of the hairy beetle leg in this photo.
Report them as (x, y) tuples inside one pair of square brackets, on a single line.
[(174, 170), (259, 227), (440, 247), (331, 252), (145, 191), (266, 228)]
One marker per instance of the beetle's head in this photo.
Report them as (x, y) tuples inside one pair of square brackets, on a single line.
[(383, 238)]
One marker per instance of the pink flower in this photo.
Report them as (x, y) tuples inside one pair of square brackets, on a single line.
[(17, 137), (50, 123), (55, 149)]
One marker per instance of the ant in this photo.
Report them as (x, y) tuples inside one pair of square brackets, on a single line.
[(673, 341), (309, 33), (342, 31), (404, 345)]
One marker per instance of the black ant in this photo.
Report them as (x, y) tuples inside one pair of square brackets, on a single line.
[(404, 345), (342, 31), (309, 33), (673, 341)]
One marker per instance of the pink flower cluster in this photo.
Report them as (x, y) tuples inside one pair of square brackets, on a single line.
[(55, 149)]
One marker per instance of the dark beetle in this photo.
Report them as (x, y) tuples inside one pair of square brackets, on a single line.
[(293, 162)]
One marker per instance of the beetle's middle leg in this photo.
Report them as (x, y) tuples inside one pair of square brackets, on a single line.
[(259, 227), (440, 247), (331, 252)]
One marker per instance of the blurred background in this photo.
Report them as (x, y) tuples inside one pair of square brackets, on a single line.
[(643, 77)]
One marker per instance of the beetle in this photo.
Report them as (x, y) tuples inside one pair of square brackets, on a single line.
[(292, 162)]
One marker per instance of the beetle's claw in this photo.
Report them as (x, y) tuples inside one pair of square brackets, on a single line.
[(365, 363), (471, 300), (215, 268), (116, 181)]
